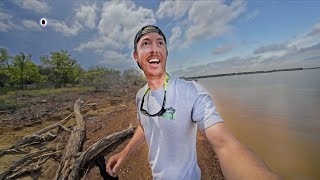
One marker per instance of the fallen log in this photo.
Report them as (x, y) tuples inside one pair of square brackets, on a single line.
[(30, 140), (97, 148), (31, 168), (19, 164), (73, 146), (37, 137)]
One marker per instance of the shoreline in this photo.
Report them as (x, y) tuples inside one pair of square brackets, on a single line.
[(247, 72)]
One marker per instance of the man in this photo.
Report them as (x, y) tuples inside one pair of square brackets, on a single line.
[(170, 110)]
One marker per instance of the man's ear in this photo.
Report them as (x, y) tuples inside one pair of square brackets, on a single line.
[(135, 56)]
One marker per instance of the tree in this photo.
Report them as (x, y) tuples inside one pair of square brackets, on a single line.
[(133, 76), (4, 58), (101, 78), (4, 67), (63, 69), (24, 71)]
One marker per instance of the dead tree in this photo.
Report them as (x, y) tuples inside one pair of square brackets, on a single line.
[(73, 146)]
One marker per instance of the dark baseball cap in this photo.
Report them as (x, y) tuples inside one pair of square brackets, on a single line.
[(145, 30)]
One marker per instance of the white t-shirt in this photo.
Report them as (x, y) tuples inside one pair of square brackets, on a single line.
[(172, 137)]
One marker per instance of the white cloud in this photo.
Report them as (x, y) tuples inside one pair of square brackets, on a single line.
[(32, 25), (204, 19), (176, 34), (121, 20), (222, 49), (114, 57), (87, 14), (37, 6), (252, 15), (63, 28), (308, 39), (5, 22), (301, 51), (270, 48), (176, 9), (100, 43)]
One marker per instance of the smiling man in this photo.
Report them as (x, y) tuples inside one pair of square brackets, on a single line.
[(170, 110)]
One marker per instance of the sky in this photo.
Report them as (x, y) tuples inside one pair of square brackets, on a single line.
[(203, 37)]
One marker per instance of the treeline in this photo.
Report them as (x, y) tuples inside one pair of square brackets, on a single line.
[(59, 69)]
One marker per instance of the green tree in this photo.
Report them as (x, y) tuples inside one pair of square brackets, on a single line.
[(61, 67), (101, 78), (4, 67), (133, 76), (24, 71)]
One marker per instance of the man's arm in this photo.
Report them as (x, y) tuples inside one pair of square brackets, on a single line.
[(237, 161), (116, 160)]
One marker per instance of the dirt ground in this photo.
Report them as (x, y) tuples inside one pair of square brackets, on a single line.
[(111, 114)]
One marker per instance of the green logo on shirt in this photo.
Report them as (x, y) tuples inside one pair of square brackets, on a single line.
[(169, 114)]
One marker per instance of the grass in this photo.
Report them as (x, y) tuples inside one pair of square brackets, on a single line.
[(9, 99)]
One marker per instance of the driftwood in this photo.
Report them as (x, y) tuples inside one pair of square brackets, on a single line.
[(33, 167), (73, 147), (98, 147), (73, 161), (37, 137), (25, 161), (30, 140)]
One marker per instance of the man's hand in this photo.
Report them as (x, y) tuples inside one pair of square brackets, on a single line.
[(115, 162), (237, 160)]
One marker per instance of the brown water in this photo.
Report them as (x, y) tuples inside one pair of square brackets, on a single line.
[(277, 115)]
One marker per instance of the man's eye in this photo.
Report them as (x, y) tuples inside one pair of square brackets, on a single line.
[(145, 44)]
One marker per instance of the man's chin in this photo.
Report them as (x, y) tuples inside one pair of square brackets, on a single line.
[(155, 72)]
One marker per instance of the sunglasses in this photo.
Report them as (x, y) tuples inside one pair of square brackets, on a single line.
[(162, 110)]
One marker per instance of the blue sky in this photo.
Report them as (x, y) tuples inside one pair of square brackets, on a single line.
[(199, 33)]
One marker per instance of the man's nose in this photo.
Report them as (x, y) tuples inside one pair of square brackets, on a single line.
[(154, 48)]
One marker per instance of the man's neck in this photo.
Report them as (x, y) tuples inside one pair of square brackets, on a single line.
[(156, 82)]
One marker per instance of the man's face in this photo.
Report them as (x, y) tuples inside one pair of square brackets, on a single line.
[(151, 54)]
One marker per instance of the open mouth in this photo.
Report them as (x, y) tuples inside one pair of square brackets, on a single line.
[(154, 61)]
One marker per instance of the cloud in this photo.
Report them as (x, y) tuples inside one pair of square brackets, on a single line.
[(251, 15), (63, 28), (300, 51), (225, 48), (119, 22), (203, 19), (99, 44), (114, 57), (268, 48), (87, 14), (5, 22), (308, 39), (32, 25), (176, 34), (37, 6), (175, 9)]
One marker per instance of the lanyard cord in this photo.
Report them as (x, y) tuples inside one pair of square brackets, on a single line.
[(165, 84)]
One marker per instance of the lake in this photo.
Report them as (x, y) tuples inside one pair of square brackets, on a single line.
[(275, 114)]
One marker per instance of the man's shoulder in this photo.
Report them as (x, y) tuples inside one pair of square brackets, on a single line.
[(142, 91), (188, 85)]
